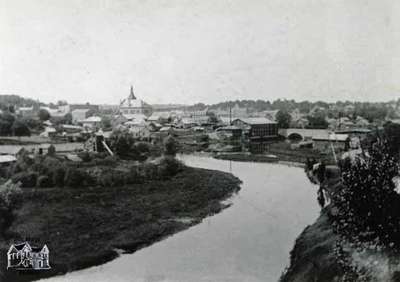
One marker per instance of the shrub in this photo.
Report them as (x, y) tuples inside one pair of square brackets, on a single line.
[(74, 177), (27, 179), (51, 151), (106, 179), (58, 176), (170, 167), (44, 181), (170, 146), (85, 156), (149, 171)]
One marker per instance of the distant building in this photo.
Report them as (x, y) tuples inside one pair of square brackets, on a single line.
[(142, 132), (91, 122), (337, 141), (93, 108), (271, 115), (58, 112), (131, 105), (27, 111), (259, 131), (197, 116), (79, 114)]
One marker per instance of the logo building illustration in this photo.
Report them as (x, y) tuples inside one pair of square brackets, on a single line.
[(26, 257)]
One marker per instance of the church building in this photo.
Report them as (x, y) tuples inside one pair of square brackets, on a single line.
[(133, 106)]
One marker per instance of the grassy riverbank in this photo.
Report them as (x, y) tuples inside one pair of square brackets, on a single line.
[(84, 226)]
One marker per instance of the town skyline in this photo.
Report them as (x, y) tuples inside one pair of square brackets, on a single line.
[(200, 51)]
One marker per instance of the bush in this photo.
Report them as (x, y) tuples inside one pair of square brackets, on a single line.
[(85, 156), (51, 151), (58, 176), (27, 179), (170, 146), (106, 179), (107, 161), (74, 177), (44, 181), (170, 167)]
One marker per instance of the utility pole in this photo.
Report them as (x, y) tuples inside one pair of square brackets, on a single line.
[(230, 115)]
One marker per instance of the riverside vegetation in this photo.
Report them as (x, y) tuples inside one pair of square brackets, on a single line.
[(86, 211), (356, 237)]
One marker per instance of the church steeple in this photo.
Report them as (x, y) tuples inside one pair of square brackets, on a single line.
[(132, 95)]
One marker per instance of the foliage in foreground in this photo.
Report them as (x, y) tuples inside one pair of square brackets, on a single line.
[(368, 204)]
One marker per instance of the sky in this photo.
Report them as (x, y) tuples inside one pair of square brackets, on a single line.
[(189, 51)]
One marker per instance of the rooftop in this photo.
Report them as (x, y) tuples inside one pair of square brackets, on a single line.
[(256, 120)]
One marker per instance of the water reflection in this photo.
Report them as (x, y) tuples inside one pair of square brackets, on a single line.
[(250, 241)]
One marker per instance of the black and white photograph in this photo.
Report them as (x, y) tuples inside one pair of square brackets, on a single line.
[(199, 141)]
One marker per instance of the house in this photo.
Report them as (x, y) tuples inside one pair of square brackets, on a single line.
[(154, 126), (79, 114), (231, 131), (361, 122), (27, 111), (25, 256), (299, 123), (260, 132), (257, 127), (49, 131), (271, 115), (141, 132), (58, 112), (135, 118), (91, 122), (187, 123), (230, 135), (325, 143), (131, 105)]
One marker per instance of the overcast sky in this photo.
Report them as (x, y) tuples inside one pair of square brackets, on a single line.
[(178, 51)]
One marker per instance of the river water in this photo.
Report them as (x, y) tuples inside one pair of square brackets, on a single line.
[(249, 241)]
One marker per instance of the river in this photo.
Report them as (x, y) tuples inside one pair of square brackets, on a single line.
[(249, 241)]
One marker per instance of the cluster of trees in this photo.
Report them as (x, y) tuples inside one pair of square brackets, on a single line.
[(370, 111), (125, 146), (97, 169), (368, 204), (12, 125)]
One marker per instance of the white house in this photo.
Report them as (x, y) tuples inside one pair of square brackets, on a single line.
[(91, 122), (24, 256), (79, 114)]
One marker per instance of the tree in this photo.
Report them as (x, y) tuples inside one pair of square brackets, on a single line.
[(392, 134), (43, 115), (212, 118), (170, 146), (121, 143), (20, 128), (51, 151), (6, 122), (317, 121), (106, 123), (67, 119), (62, 103), (283, 118), (368, 204)]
